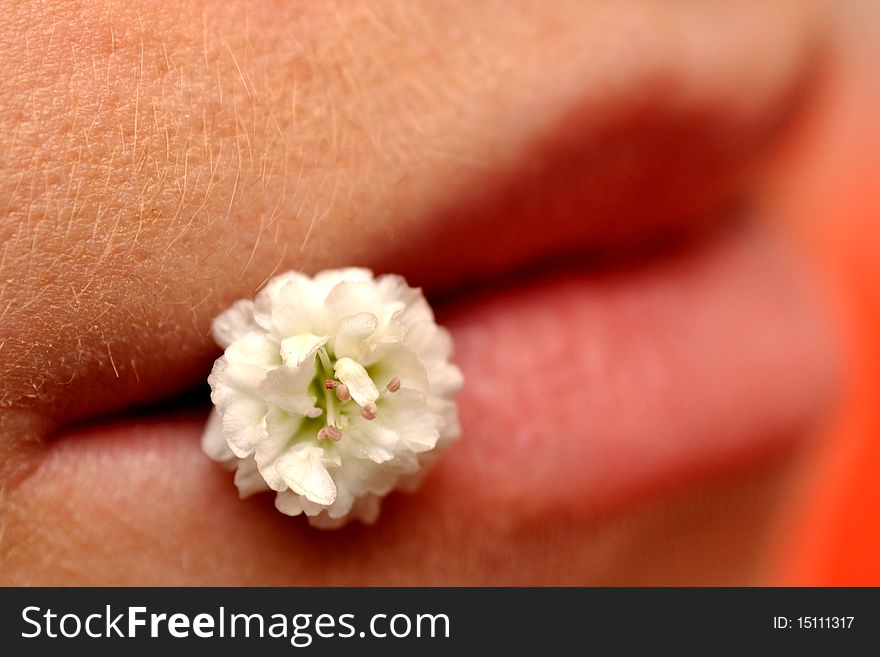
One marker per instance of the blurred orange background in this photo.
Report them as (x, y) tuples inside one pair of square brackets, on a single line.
[(825, 186)]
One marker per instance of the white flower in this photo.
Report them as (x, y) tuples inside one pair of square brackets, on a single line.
[(332, 391)]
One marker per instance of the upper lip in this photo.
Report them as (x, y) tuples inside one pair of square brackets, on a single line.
[(595, 180), (592, 172)]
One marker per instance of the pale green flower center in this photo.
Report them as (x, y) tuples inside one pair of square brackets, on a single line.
[(335, 398)]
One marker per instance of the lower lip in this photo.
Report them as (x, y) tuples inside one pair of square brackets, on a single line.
[(585, 390)]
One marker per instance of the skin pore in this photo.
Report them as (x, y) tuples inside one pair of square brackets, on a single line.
[(160, 160)]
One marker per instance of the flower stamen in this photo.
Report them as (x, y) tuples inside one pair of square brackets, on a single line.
[(325, 361), (368, 412), (342, 392), (331, 408), (329, 433), (393, 385)]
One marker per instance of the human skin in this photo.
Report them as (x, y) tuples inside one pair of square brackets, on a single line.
[(162, 160)]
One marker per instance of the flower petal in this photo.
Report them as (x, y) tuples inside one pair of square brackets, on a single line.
[(311, 508), (290, 304), (412, 304), (289, 503), (450, 428), (281, 430), (298, 348), (248, 479), (418, 426), (288, 388), (359, 383), (352, 333), (245, 363), (213, 442), (329, 278), (267, 298), (235, 322), (366, 509), (242, 420), (430, 341), (370, 440), (352, 297), (300, 309), (303, 470), (398, 360), (433, 344)]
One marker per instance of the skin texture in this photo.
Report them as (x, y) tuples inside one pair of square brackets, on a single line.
[(160, 161)]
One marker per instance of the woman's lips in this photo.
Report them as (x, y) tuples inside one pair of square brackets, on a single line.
[(584, 390)]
